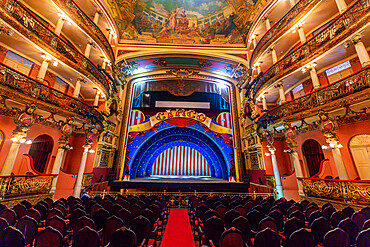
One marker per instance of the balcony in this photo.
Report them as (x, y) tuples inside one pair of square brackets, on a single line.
[(15, 85), (352, 20), (335, 95), (16, 186), (18, 16), (282, 26), (352, 191), (86, 24)]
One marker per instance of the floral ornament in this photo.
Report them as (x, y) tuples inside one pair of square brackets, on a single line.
[(25, 119)]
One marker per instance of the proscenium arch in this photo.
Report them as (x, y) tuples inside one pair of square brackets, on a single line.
[(163, 148), (155, 144)]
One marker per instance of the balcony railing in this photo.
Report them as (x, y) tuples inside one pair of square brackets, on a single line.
[(28, 87), (352, 19), (15, 186), (82, 20), (347, 86), (354, 191), (282, 26), (19, 17)]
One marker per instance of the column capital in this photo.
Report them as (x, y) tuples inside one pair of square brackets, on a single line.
[(86, 147)]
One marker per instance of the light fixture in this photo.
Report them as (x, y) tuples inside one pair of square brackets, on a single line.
[(339, 145), (55, 63), (267, 154), (22, 140), (29, 142), (332, 145), (13, 139), (91, 151), (324, 147)]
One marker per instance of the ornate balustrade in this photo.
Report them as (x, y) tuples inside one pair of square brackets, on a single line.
[(82, 20), (282, 26), (354, 191), (340, 28), (352, 84), (14, 186), (27, 87), (19, 17)]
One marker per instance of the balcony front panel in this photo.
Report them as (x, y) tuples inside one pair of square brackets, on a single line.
[(282, 26), (16, 15), (86, 24), (350, 90), (17, 86), (355, 18)]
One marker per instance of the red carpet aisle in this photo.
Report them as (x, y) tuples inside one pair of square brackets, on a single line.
[(178, 230)]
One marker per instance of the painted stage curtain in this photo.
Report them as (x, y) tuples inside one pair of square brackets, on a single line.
[(181, 161)]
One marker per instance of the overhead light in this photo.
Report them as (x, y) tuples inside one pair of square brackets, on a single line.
[(332, 145), (267, 154), (339, 145), (324, 147), (29, 142), (91, 151), (55, 63), (13, 139), (22, 140)]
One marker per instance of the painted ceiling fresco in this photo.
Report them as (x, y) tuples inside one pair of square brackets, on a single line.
[(179, 21)]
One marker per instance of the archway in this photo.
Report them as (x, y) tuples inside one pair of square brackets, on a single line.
[(360, 150), (40, 151), (313, 155)]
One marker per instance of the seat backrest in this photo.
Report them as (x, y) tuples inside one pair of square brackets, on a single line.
[(248, 206), (20, 210), (254, 217), (292, 225), (213, 228), (147, 213), (111, 225), (49, 237), (10, 215), (268, 222), (142, 228), (125, 216), (363, 238), (242, 224), (28, 226), (349, 211), (359, 219), (315, 215), (298, 214), (3, 224), (26, 203), (231, 238), (34, 214), (135, 210), (99, 218), (86, 235), (337, 217), (123, 238), (11, 237), (366, 211), (82, 222), (221, 210), (301, 238), (240, 209), (319, 228), (279, 218), (229, 217), (328, 211), (42, 209), (208, 214), (350, 228), (336, 238), (267, 238), (57, 223)]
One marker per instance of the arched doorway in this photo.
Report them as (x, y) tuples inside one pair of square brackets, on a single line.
[(360, 150), (313, 155), (40, 152)]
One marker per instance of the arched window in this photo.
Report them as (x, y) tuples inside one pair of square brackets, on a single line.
[(313, 155), (360, 150), (40, 152)]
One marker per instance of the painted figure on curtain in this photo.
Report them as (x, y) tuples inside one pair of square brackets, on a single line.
[(182, 22)]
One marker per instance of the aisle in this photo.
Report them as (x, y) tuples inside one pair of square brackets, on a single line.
[(178, 230)]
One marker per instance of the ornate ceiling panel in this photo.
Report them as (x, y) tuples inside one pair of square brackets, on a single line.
[(179, 22)]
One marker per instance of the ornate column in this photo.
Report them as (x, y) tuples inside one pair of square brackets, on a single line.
[(97, 96), (267, 23), (361, 51), (110, 37), (314, 77), (292, 3), (302, 35), (264, 103), (81, 170), (43, 68), (328, 127), (63, 141), (281, 92), (290, 134), (96, 16), (274, 55), (76, 91), (258, 67), (88, 49), (342, 6), (24, 120), (59, 25), (254, 42), (279, 187)]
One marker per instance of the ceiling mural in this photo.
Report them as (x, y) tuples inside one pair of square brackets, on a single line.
[(180, 21)]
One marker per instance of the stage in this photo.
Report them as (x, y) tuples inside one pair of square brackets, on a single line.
[(180, 183)]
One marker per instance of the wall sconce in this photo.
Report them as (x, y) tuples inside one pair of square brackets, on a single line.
[(22, 140), (267, 154), (91, 151), (324, 147)]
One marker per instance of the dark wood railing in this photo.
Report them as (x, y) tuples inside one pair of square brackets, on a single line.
[(352, 19), (82, 20), (20, 18), (282, 26), (31, 88)]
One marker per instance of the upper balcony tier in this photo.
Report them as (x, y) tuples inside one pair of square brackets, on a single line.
[(350, 90), (74, 12), (17, 86), (353, 20), (288, 21), (24, 22)]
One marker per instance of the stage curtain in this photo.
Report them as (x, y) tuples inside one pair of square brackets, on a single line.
[(40, 150)]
